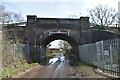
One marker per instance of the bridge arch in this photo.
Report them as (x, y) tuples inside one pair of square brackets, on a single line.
[(37, 33), (53, 37), (69, 39)]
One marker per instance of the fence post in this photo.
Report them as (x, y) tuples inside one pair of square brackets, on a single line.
[(14, 47), (98, 59), (27, 48), (119, 57), (111, 59), (102, 55)]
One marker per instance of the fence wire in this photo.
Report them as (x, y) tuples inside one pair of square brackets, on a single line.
[(103, 54), (12, 53), (107, 56), (88, 53)]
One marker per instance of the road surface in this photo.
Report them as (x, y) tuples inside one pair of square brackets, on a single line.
[(59, 67)]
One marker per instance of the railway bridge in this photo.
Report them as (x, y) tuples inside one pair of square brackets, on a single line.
[(39, 32)]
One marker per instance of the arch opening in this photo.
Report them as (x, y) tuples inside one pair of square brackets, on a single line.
[(73, 52), (64, 37), (58, 46)]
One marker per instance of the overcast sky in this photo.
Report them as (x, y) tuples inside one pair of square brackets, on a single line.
[(55, 8)]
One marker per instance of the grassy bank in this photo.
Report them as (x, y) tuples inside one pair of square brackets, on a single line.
[(10, 71)]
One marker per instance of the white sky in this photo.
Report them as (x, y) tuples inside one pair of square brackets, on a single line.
[(54, 44), (55, 8)]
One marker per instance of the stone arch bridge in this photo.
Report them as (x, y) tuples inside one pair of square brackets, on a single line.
[(39, 32)]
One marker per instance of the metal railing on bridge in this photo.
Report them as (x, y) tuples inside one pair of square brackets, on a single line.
[(59, 32), (51, 32), (103, 54)]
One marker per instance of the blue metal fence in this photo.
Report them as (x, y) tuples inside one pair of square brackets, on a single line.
[(103, 54), (107, 56)]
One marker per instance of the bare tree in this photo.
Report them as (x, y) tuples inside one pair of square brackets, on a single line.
[(9, 17), (64, 45), (14, 17), (75, 16), (102, 15)]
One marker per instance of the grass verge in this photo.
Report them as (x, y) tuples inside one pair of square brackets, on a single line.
[(10, 71)]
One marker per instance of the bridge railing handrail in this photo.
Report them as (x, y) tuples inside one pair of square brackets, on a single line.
[(59, 31)]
